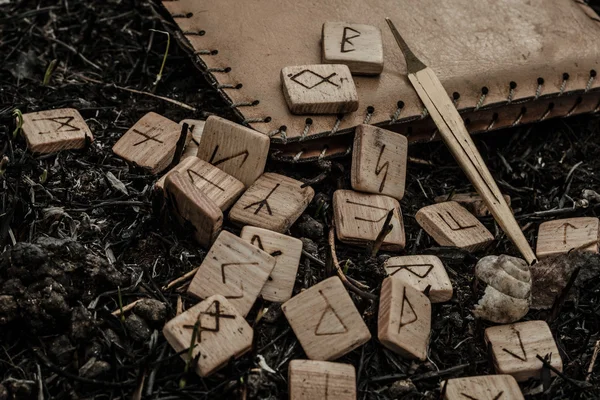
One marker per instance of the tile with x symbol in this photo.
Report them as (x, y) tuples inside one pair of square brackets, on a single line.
[(215, 329), (273, 202), (319, 89), (150, 143)]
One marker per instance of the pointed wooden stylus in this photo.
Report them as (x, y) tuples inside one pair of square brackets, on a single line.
[(457, 138)]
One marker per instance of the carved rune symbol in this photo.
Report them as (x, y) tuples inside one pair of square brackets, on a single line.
[(497, 397), (192, 174), (452, 222), (263, 203), (147, 136), (214, 162), (306, 78), (407, 312), (346, 39), (240, 293), (369, 206), (522, 348), (378, 169), (64, 122), (211, 318), (330, 322), (257, 241), (411, 269), (566, 226)]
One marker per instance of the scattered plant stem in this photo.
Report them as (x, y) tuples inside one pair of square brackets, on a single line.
[(385, 230), (19, 116), (159, 75), (49, 72)]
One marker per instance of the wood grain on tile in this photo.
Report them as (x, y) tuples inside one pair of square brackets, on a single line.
[(422, 272), (321, 380), (563, 235), (55, 130), (492, 387)]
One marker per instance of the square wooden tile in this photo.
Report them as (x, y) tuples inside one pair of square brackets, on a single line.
[(234, 269), (326, 321), (241, 152), (220, 334), (55, 130), (222, 188), (492, 387), (404, 322), (150, 143), (356, 45), (471, 201), (273, 202), (562, 235), (319, 89), (195, 129), (359, 217), (319, 380), (515, 346), (421, 272), (191, 206), (450, 224), (287, 251), (379, 160)]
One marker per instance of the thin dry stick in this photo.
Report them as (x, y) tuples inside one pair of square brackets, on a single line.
[(385, 230), (181, 279), (124, 309), (593, 361)]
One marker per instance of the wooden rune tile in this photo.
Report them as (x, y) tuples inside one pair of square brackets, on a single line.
[(234, 269), (195, 129), (563, 235), (326, 321), (287, 251), (273, 202), (321, 380), (422, 272), (358, 46), (217, 330), (359, 217), (450, 224), (404, 322), (319, 89), (237, 150), (221, 188), (471, 201), (191, 206), (486, 387), (150, 143), (515, 347), (54, 130), (379, 161)]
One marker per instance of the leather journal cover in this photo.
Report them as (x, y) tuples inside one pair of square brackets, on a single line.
[(503, 62)]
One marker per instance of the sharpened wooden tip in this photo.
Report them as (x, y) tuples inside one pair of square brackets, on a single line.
[(413, 64)]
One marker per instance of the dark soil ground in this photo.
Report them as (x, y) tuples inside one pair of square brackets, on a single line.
[(79, 238)]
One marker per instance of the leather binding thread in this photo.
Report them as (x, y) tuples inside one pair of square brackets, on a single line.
[(538, 90), (455, 98), (563, 85), (511, 91), (520, 116), (590, 81), (492, 122), (370, 111), (337, 123), (307, 126), (577, 103), (484, 92), (547, 112), (396, 115)]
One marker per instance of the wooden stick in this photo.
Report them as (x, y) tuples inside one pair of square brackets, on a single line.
[(457, 138)]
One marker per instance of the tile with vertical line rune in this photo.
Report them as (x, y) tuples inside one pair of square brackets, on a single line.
[(404, 322), (486, 387), (217, 330), (379, 161), (287, 251), (421, 272), (54, 130), (273, 202), (563, 235), (450, 224), (321, 380), (150, 143), (221, 188), (234, 269), (515, 347), (240, 151), (195, 129), (326, 321), (359, 217)]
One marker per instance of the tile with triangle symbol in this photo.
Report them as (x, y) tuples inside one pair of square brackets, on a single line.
[(563, 235), (404, 322), (273, 202), (240, 151), (485, 387), (318, 380), (218, 331), (326, 321), (287, 251), (235, 269), (421, 272), (54, 130), (514, 348)]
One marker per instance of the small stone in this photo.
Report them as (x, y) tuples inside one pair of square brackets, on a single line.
[(310, 227), (94, 368), (402, 388), (61, 350), (151, 310), (137, 328), (507, 296), (309, 246), (8, 309)]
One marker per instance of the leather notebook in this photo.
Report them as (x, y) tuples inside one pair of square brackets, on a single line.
[(503, 62)]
